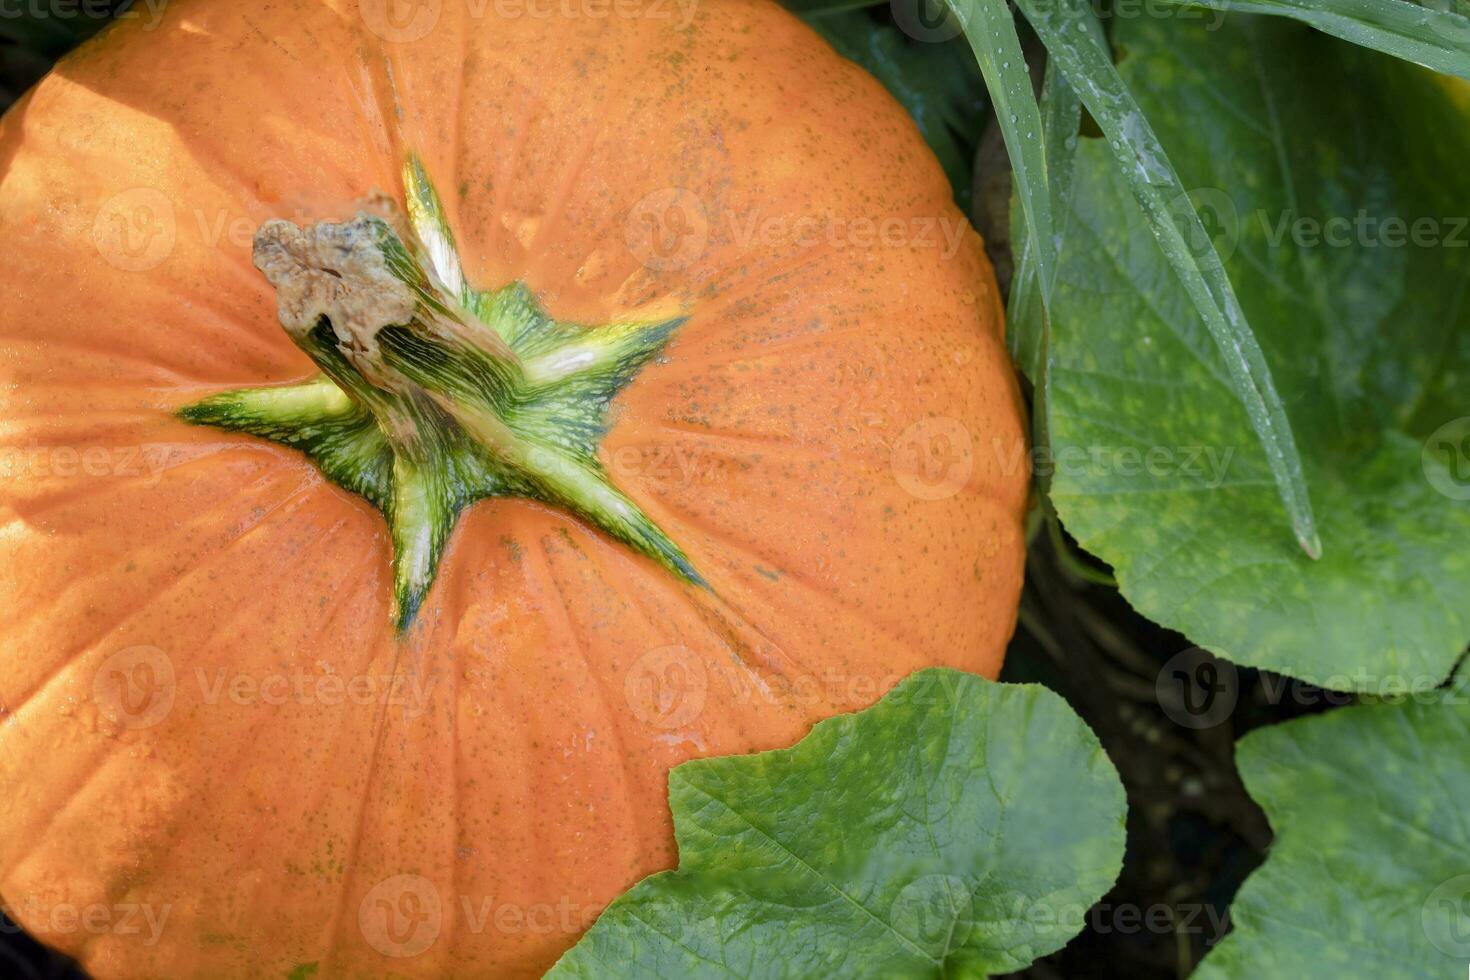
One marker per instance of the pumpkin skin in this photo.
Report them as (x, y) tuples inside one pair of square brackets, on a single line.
[(209, 717)]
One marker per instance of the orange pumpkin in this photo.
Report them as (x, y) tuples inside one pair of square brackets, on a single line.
[(678, 419)]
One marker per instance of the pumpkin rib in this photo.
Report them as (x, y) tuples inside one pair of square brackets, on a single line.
[(90, 774), (359, 824), (173, 583), (563, 611)]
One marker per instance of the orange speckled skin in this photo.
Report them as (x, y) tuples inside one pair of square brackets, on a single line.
[(196, 644)]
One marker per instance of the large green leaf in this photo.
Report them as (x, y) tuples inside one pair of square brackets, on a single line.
[(959, 827), (1369, 875), (1074, 41), (1157, 467), (936, 81)]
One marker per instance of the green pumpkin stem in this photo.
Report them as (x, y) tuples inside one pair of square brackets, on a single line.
[(434, 395)]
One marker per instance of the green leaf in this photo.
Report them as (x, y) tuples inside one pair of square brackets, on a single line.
[(1149, 176), (1438, 39), (990, 28), (1028, 322), (1061, 115), (1369, 874), (958, 827), (1274, 125), (937, 83)]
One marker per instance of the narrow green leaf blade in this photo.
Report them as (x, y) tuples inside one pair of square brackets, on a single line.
[(1028, 319), (957, 828), (990, 27), (1087, 65), (1061, 114), (1438, 39)]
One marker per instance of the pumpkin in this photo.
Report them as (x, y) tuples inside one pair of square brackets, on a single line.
[(424, 427)]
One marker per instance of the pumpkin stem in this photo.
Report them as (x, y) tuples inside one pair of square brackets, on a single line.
[(434, 395)]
